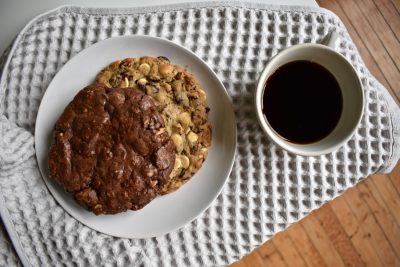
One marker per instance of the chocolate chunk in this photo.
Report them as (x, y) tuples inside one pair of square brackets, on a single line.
[(162, 159), (163, 58)]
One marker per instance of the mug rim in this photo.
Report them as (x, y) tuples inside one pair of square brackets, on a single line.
[(276, 137)]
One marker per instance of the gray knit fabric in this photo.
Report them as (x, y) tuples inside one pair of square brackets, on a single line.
[(268, 188)]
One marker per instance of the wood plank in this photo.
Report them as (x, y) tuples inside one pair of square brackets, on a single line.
[(338, 237), (377, 195), (356, 233), (389, 195), (321, 241), (304, 245), (373, 43), (255, 260), (371, 227), (379, 25), (396, 4), (385, 220), (285, 246), (394, 177), (270, 255), (240, 263), (364, 52), (390, 14)]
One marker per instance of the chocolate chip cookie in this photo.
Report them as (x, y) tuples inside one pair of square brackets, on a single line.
[(181, 102), (111, 150)]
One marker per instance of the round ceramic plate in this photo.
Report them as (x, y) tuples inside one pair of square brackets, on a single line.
[(165, 213)]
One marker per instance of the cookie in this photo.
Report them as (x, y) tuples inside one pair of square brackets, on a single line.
[(181, 102), (111, 150)]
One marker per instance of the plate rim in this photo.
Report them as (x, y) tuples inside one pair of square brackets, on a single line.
[(178, 226)]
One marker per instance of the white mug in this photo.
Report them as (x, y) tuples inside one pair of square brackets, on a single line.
[(350, 86)]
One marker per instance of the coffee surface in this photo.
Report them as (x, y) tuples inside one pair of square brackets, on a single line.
[(302, 102)]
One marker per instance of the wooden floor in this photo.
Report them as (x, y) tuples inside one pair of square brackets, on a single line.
[(361, 227)]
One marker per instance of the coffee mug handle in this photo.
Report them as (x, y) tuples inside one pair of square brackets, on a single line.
[(332, 39)]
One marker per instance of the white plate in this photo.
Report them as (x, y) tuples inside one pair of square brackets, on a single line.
[(165, 213)]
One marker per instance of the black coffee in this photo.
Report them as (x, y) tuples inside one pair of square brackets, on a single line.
[(302, 102)]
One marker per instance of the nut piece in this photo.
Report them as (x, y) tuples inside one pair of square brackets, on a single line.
[(177, 139), (184, 118), (203, 153), (202, 93), (162, 130), (177, 85), (153, 183), (142, 81), (192, 137), (149, 90), (165, 70), (167, 87), (98, 208), (177, 128), (126, 82), (144, 68), (185, 161), (161, 97), (149, 173)]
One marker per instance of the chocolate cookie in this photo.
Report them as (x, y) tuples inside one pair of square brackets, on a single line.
[(181, 102), (111, 150)]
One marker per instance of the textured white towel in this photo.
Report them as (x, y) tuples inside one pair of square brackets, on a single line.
[(268, 188)]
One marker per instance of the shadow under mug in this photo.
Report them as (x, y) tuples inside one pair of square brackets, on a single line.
[(350, 86)]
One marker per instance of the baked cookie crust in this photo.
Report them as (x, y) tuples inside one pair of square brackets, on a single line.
[(111, 150)]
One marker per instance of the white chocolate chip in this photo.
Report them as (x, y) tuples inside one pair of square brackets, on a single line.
[(142, 81), (177, 139), (144, 68), (165, 70), (177, 164), (192, 137), (184, 118), (185, 161)]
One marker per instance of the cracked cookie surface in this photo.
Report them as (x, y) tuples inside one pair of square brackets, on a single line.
[(181, 102), (109, 150)]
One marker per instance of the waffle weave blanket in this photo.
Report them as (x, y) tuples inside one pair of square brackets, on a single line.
[(268, 188)]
